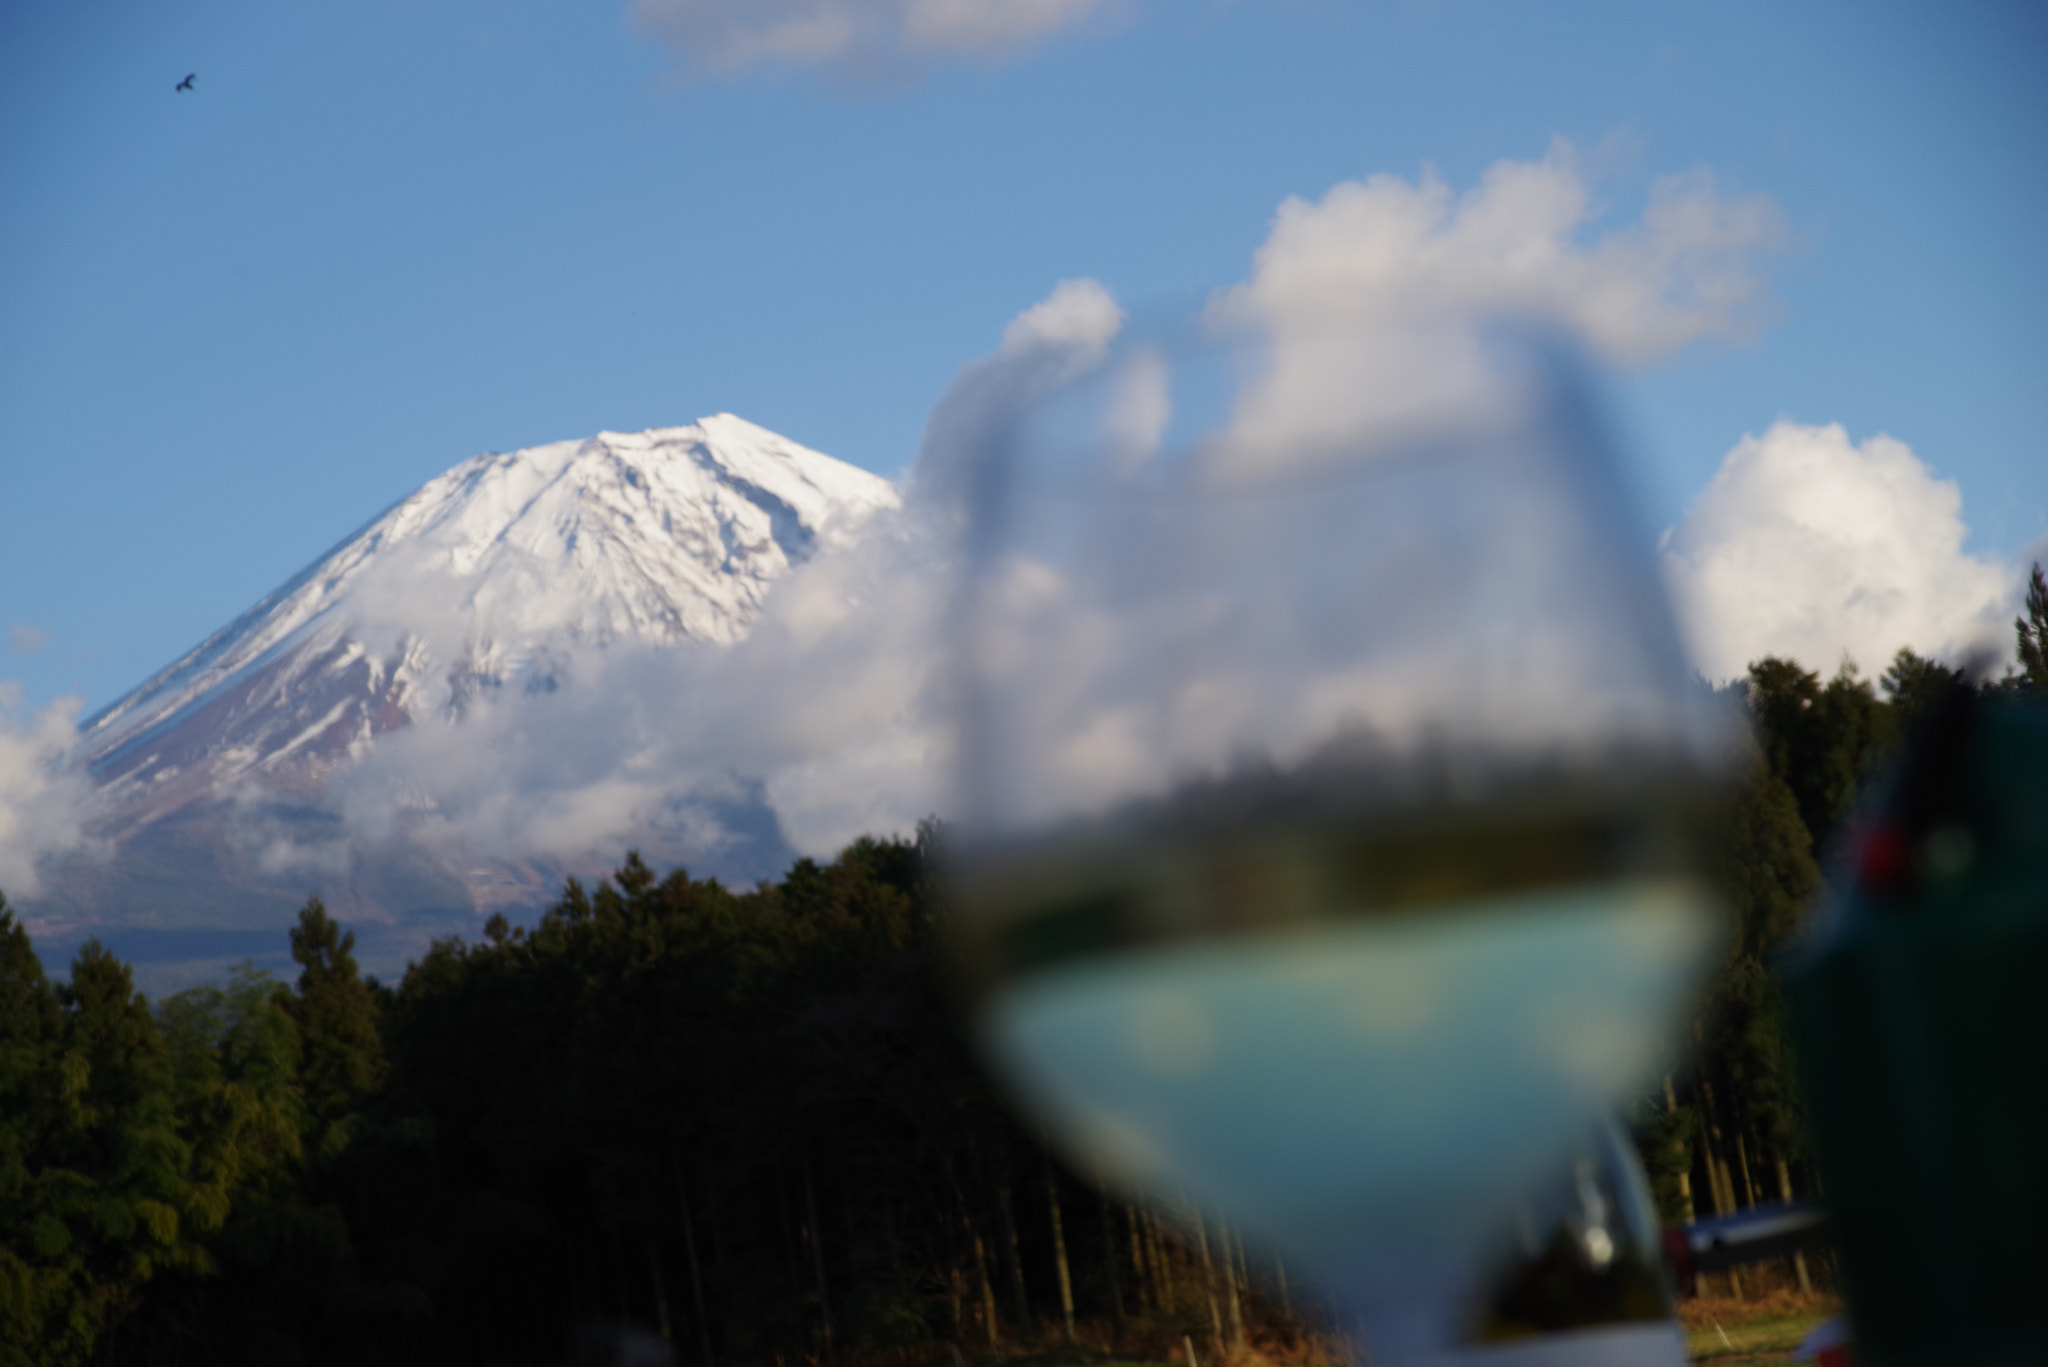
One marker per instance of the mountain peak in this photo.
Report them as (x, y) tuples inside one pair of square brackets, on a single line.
[(494, 573)]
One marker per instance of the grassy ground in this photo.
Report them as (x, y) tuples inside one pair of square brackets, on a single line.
[(1726, 1332), (1718, 1329)]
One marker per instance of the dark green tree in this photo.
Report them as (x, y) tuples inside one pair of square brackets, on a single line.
[(1822, 741), (1767, 864), (123, 1121), (232, 1054), (341, 1060), (1916, 685), (1727, 1131), (2032, 630), (234, 1066), (37, 1269), (96, 1198)]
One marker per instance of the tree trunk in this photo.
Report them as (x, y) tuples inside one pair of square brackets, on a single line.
[(818, 1259), (660, 1291), (625, 1311), (1014, 1258), (1231, 1283), (1726, 1200), (1685, 1212), (1209, 1283), (1799, 1255), (988, 1290), (711, 1219), (985, 1291), (956, 1302), (1162, 1265), (1141, 1264), (789, 1239), (1713, 1145), (1717, 1150), (1109, 1267), (696, 1269), (1749, 1187), (1059, 1251)]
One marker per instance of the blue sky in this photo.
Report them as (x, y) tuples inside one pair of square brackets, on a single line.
[(377, 237)]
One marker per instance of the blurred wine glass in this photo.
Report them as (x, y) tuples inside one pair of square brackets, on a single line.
[(1331, 787)]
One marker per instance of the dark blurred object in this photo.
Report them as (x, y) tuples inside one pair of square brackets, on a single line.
[(1582, 1281), (1920, 1013), (601, 1344), (1748, 1236)]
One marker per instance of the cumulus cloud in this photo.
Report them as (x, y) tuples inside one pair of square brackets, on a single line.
[(1377, 297), (820, 716), (43, 803), (1390, 252), (1812, 546), (863, 36)]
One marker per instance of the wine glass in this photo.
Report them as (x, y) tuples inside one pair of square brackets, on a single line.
[(1330, 785)]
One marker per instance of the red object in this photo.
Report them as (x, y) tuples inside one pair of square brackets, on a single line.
[(1886, 863), (1678, 1257)]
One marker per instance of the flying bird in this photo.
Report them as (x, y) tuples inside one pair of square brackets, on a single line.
[(186, 84)]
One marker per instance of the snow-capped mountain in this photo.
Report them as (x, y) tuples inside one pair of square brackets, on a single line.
[(497, 574), (510, 575)]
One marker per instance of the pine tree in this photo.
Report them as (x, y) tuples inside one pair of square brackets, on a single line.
[(341, 1060), (1916, 685), (35, 1266), (1740, 1092), (2032, 631), (1821, 741), (234, 1065), (1767, 864), (100, 1196)]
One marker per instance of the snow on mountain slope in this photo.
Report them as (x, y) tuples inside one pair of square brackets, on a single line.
[(501, 573)]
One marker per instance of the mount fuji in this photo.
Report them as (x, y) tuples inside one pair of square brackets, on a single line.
[(507, 579)]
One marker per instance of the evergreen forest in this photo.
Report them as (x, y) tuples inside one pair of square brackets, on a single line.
[(729, 1128)]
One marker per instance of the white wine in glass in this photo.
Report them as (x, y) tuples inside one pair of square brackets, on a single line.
[(1332, 792)]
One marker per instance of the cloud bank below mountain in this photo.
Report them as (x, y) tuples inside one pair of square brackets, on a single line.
[(44, 800)]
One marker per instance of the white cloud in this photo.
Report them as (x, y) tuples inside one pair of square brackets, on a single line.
[(828, 711), (1080, 314), (43, 803), (864, 36), (1377, 298), (824, 711), (1810, 546), (1063, 334), (1388, 253)]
